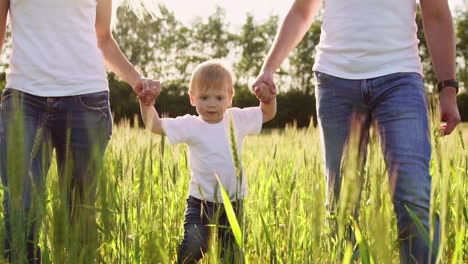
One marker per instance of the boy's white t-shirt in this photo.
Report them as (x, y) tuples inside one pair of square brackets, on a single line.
[(210, 150)]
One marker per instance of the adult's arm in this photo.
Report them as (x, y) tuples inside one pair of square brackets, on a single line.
[(440, 37), (114, 57), (292, 30), (4, 7)]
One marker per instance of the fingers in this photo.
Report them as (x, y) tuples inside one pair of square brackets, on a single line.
[(264, 87), (155, 86), (263, 92), (145, 85), (271, 85), (452, 118), (447, 128), (256, 85), (150, 90), (147, 100), (265, 78), (449, 112)]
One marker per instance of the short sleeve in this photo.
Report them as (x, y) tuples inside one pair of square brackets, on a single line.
[(249, 120), (178, 130)]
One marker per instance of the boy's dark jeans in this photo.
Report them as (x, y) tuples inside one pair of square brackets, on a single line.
[(198, 216)]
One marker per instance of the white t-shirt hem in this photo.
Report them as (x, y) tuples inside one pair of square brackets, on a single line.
[(363, 76), (68, 91)]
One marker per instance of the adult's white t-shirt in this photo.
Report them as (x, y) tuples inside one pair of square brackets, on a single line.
[(363, 39), (54, 48), (210, 152)]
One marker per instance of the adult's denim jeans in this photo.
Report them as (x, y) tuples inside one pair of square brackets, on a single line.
[(78, 128), (201, 217), (397, 104)]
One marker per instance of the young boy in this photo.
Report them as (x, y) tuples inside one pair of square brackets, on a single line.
[(208, 138)]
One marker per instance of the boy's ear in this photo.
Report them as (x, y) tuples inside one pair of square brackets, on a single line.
[(230, 100), (192, 99)]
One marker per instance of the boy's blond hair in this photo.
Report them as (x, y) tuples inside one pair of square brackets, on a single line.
[(212, 74)]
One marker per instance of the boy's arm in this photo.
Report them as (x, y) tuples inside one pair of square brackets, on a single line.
[(151, 118), (267, 102), (268, 109)]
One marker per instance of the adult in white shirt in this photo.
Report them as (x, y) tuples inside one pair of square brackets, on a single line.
[(57, 97), (368, 70)]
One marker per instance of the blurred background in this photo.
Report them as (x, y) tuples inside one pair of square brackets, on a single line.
[(186, 33)]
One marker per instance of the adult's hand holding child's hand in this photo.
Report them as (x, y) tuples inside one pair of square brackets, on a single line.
[(147, 90), (264, 87), (263, 93)]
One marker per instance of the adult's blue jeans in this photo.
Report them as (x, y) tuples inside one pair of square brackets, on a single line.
[(397, 104), (31, 127)]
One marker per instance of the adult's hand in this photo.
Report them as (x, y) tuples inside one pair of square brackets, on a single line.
[(265, 78), (448, 110), (147, 90)]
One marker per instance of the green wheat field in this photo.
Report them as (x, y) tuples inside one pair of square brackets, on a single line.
[(141, 201)]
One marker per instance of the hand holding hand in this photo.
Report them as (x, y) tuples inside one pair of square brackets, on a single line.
[(147, 90), (263, 93), (264, 87)]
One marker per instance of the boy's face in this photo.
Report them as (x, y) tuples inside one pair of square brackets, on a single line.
[(211, 103)]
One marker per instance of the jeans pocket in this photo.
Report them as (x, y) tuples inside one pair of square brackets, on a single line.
[(193, 215), (95, 102), (193, 202), (321, 79), (6, 93)]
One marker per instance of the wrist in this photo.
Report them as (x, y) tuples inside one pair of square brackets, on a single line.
[(267, 71), (448, 91), (135, 80), (451, 84), (268, 101)]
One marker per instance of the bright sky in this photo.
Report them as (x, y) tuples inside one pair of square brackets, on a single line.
[(187, 10)]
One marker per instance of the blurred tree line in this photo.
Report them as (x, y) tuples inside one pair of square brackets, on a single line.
[(167, 50)]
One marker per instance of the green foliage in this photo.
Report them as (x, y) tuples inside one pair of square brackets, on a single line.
[(462, 101), (254, 41), (211, 39), (141, 202), (123, 101), (462, 48), (294, 106), (168, 50), (429, 74), (303, 58)]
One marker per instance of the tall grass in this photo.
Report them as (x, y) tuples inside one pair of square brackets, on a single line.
[(141, 201)]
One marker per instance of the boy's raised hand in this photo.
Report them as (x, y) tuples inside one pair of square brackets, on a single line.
[(263, 92), (149, 92)]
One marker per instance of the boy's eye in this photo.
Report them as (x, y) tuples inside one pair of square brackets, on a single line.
[(219, 98), (204, 97)]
